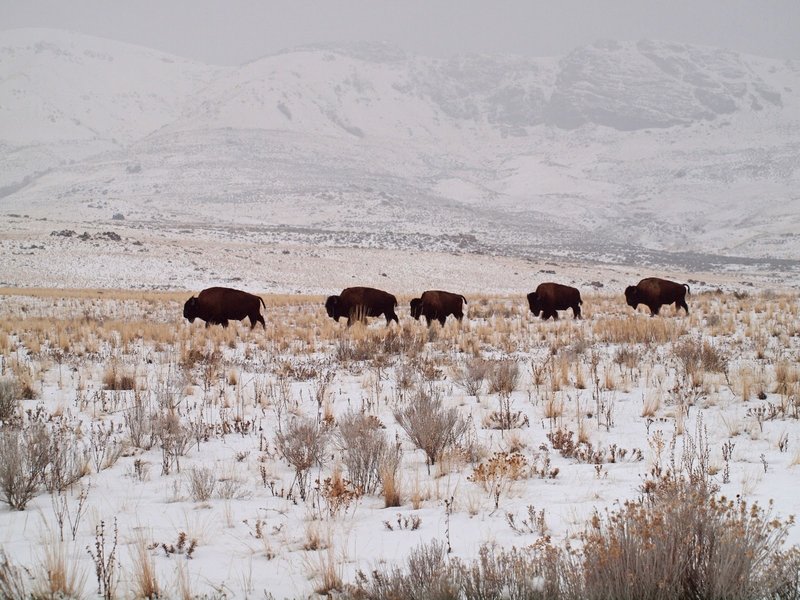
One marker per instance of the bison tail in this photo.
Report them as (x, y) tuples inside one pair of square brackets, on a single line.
[(464, 299), (580, 300), (262, 302), (686, 285)]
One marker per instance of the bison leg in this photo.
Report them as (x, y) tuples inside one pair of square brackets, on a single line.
[(224, 322), (255, 319), (654, 310), (442, 320), (681, 303), (576, 311)]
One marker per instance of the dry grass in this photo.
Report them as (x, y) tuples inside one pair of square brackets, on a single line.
[(171, 387)]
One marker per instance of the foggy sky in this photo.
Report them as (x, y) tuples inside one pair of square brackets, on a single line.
[(229, 32)]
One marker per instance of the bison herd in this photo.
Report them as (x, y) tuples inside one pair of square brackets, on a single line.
[(218, 305)]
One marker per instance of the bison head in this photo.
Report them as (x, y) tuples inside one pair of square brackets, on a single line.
[(190, 309), (416, 308), (332, 307), (534, 303), (632, 296)]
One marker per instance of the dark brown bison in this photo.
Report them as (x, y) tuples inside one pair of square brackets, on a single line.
[(551, 297), (218, 305), (358, 303), (654, 292), (438, 305)]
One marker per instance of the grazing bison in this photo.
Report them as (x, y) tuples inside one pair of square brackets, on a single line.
[(551, 297), (438, 305), (218, 305), (357, 303), (654, 292)]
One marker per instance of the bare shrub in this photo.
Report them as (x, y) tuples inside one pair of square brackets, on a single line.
[(428, 575), (337, 493), (9, 403), (364, 444), (496, 474), (503, 375), (681, 542), (202, 482), (68, 460), (105, 560), (535, 573), (24, 456), (470, 375), (505, 418), (302, 443), (695, 356), (174, 439), (139, 420), (431, 427)]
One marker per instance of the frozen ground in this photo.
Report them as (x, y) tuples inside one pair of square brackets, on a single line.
[(616, 378)]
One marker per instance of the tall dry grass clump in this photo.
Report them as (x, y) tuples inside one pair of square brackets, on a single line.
[(637, 330), (145, 582), (59, 576), (24, 458), (14, 579)]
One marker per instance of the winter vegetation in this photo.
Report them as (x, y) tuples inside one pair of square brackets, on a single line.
[(616, 456), (505, 457)]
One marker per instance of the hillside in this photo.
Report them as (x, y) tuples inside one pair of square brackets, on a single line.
[(649, 154)]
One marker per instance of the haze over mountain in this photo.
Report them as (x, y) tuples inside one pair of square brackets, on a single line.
[(647, 153)]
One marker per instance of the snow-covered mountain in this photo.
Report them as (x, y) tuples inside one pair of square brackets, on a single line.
[(644, 153)]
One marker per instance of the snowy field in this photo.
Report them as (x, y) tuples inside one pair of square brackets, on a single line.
[(230, 463)]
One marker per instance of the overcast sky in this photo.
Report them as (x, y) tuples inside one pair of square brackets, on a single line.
[(231, 32)]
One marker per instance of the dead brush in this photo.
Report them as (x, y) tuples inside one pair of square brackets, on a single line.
[(504, 418), (24, 458), (496, 474), (502, 375), (365, 447), (9, 403), (302, 442), (430, 426), (683, 542), (337, 493)]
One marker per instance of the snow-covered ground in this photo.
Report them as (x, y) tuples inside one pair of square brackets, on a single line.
[(622, 381)]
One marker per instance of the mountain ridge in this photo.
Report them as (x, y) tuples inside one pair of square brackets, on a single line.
[(662, 146)]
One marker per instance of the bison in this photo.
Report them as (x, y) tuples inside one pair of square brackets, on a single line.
[(654, 292), (218, 305), (357, 303), (551, 297), (438, 305)]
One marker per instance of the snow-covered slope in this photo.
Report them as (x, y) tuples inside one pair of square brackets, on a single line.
[(624, 152)]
